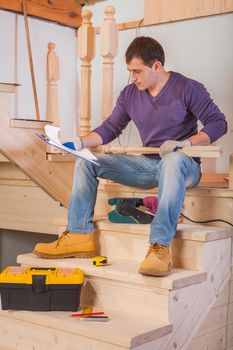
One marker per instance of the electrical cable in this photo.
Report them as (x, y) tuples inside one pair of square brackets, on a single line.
[(207, 221)]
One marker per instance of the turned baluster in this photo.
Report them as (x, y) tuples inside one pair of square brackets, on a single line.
[(86, 52), (53, 75), (108, 49)]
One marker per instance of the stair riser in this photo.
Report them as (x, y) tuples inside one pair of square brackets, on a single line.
[(185, 253), (130, 299), (190, 306), (20, 335)]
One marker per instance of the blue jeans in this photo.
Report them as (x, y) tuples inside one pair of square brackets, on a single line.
[(172, 174)]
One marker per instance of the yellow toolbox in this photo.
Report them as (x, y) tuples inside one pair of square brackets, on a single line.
[(41, 289)]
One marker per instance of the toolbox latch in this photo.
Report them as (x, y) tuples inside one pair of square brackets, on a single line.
[(38, 283)]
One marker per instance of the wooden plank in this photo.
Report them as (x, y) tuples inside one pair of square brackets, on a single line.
[(10, 171), (59, 157), (214, 180), (66, 12), (191, 151), (162, 11), (216, 319), (230, 314), (7, 87), (3, 159), (28, 123), (33, 210), (230, 336), (57, 331), (213, 341)]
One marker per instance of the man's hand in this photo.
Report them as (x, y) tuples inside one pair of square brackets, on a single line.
[(171, 146), (75, 144)]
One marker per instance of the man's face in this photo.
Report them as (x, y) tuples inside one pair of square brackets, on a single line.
[(142, 76)]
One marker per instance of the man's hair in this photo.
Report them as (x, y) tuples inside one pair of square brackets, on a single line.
[(147, 49)]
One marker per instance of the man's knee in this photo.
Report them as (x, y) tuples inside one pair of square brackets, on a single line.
[(174, 160)]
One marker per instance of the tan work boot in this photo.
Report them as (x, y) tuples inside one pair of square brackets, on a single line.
[(157, 261), (68, 245)]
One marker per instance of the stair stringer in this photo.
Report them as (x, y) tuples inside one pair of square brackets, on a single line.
[(21, 146), (190, 306)]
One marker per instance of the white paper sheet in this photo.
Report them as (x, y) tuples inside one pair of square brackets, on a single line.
[(52, 133)]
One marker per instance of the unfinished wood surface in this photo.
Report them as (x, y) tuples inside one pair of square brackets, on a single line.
[(3, 159), (155, 15), (66, 12), (230, 336), (22, 147), (231, 172), (200, 208), (214, 341), (29, 208), (185, 302), (161, 11), (216, 319), (130, 241), (214, 180), (126, 25), (56, 330), (28, 123), (7, 87), (86, 52), (10, 171), (61, 157), (108, 50), (184, 314), (53, 75), (192, 151)]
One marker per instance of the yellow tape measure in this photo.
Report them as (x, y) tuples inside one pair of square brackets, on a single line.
[(87, 309), (99, 260)]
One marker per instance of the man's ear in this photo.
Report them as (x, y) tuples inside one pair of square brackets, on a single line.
[(157, 66)]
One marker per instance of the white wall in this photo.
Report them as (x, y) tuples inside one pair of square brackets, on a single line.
[(199, 48), (14, 66)]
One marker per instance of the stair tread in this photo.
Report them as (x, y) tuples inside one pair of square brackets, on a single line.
[(121, 270), (184, 231), (121, 329)]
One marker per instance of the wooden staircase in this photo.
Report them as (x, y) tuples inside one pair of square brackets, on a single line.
[(145, 312)]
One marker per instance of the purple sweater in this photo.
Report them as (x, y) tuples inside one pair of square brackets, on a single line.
[(171, 115)]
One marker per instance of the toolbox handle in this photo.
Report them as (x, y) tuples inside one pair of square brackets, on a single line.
[(42, 268), (38, 283)]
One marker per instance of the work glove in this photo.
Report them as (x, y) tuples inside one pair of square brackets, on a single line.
[(75, 144), (171, 146)]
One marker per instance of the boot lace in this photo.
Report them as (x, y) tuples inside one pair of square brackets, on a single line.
[(155, 248), (62, 237)]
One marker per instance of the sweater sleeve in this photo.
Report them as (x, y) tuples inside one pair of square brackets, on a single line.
[(202, 106), (112, 127)]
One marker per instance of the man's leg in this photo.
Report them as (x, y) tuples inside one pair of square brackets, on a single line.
[(78, 239), (176, 172)]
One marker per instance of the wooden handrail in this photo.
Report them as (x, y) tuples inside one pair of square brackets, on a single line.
[(192, 151)]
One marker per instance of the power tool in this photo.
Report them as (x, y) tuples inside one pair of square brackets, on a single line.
[(127, 211)]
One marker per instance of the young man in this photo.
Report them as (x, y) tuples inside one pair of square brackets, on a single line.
[(165, 106)]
